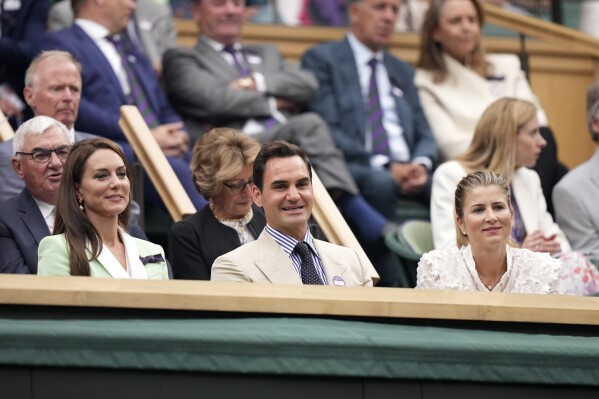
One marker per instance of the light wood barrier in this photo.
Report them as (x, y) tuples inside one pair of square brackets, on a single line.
[(155, 164), (563, 63), (207, 296), (6, 132)]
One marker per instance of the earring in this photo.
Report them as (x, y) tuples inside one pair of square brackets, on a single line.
[(81, 204), (464, 233)]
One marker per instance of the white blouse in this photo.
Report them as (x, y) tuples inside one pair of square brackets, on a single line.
[(527, 272)]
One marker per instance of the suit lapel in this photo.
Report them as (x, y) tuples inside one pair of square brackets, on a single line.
[(349, 76), (32, 217), (274, 263), (102, 64), (215, 62), (335, 267)]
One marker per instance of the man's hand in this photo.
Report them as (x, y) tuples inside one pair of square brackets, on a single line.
[(410, 177), (245, 83), (172, 139)]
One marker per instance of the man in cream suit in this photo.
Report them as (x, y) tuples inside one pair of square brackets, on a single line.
[(575, 195), (286, 252)]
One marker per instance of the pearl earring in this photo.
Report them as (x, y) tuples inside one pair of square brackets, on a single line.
[(81, 204)]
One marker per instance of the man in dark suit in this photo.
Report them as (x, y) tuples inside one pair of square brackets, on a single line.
[(219, 82), (42, 147), (115, 73), (376, 117), (21, 24)]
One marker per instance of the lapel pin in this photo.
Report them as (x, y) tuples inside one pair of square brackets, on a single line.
[(337, 280)]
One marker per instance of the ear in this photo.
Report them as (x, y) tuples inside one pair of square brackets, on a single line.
[(257, 196), (17, 167), (460, 223), (29, 97), (78, 195), (595, 126), (352, 11)]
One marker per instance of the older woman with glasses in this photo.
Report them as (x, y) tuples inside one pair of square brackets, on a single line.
[(222, 164)]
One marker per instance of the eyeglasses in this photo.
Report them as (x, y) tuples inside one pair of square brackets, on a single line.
[(43, 155), (239, 187)]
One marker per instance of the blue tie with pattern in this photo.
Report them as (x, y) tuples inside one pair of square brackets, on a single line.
[(374, 114), (308, 272), (137, 95)]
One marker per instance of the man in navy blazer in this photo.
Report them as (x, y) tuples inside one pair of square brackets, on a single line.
[(343, 74), (107, 85), (21, 24)]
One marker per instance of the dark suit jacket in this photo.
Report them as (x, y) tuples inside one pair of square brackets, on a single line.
[(21, 28), (549, 168), (102, 95), (339, 101), (22, 227), (194, 243)]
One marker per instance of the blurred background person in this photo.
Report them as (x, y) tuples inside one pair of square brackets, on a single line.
[(222, 164), (575, 195), (91, 213), (457, 81)]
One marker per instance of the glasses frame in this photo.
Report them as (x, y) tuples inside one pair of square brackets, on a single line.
[(234, 187), (47, 151)]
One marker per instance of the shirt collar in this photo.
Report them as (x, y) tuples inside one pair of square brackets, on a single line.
[(362, 53), (217, 46), (288, 243), (45, 208), (93, 29)]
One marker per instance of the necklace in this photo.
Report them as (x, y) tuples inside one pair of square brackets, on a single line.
[(491, 286)]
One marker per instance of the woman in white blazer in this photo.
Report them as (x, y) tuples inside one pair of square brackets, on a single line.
[(507, 142), (456, 81)]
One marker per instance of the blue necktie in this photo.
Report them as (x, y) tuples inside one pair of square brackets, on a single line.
[(308, 272), (137, 96), (374, 114)]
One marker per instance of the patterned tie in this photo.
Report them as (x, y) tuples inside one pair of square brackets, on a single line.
[(242, 67), (374, 114), (244, 70), (137, 95), (308, 272)]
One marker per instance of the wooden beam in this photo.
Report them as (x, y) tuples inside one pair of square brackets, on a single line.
[(6, 132), (334, 226), (155, 163), (361, 302)]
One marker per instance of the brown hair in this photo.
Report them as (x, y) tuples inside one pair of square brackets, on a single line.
[(431, 52), (494, 144), (70, 219), (277, 149), (219, 155)]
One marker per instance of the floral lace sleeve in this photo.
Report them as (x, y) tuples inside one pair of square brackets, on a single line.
[(440, 270)]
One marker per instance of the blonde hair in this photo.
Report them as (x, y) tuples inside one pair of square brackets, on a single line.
[(481, 178), (219, 155), (431, 52), (494, 144)]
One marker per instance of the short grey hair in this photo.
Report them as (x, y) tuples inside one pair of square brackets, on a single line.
[(593, 107), (37, 125), (52, 55)]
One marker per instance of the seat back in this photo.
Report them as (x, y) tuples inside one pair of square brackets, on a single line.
[(412, 239)]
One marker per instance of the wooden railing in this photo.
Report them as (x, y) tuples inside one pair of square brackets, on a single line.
[(6, 132), (211, 296), (563, 63), (155, 164)]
